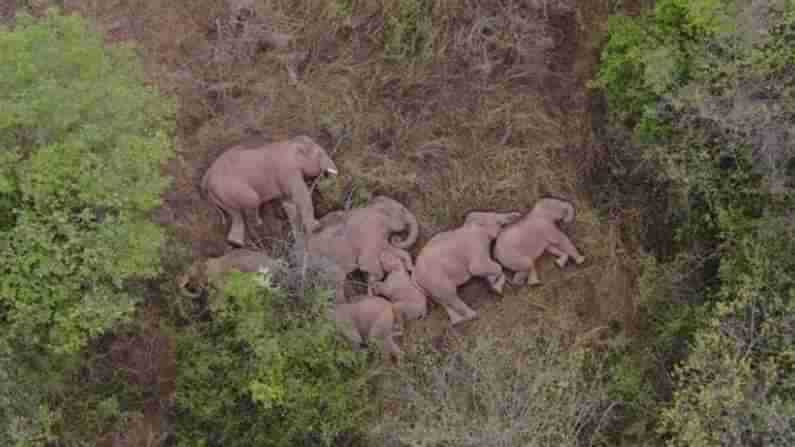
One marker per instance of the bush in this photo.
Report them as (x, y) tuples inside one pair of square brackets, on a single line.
[(266, 371), (707, 88), (82, 145), (529, 389)]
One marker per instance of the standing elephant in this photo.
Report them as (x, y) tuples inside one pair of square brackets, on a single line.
[(248, 175), (241, 259), (369, 318), (519, 245), (400, 288), (451, 258), (356, 239)]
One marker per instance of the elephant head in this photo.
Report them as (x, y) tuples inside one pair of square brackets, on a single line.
[(491, 222), (554, 209), (396, 260), (400, 219), (311, 159)]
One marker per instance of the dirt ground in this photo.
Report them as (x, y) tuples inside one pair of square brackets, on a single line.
[(495, 114)]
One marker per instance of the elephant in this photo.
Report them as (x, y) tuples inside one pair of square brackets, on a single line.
[(399, 288), (520, 244), (452, 257), (255, 172), (369, 318), (356, 238), (241, 259)]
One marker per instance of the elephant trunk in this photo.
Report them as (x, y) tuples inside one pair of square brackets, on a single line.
[(414, 232)]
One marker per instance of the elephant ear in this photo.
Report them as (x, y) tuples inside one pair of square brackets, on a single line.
[(305, 145), (487, 221)]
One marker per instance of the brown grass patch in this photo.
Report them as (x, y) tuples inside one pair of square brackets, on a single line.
[(486, 108)]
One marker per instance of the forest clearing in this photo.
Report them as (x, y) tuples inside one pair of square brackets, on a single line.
[(667, 125)]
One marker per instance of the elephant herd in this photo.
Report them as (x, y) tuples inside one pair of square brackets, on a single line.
[(254, 172)]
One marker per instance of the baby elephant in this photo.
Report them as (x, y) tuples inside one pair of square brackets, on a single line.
[(520, 244), (241, 259), (369, 318), (400, 288)]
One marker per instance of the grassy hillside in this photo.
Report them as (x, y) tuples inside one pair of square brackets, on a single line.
[(639, 112)]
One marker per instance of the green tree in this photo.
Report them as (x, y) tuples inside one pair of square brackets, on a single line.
[(707, 87), (82, 140), (266, 370)]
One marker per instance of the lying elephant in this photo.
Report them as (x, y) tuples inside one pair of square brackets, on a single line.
[(356, 239), (241, 259), (451, 258), (400, 288), (519, 245), (249, 174), (369, 318)]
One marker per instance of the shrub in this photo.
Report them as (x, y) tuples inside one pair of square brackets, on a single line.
[(704, 86), (284, 380), (82, 145), (534, 390)]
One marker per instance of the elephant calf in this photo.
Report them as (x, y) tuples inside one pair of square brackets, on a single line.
[(519, 245), (400, 288), (241, 259), (451, 258), (355, 239), (369, 318)]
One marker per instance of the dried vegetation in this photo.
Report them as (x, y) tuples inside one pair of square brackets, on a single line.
[(448, 106)]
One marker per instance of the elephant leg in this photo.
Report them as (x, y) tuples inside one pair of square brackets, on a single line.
[(533, 276), (371, 263), (383, 330), (457, 310), (519, 278), (529, 276), (348, 330), (237, 229), (258, 216), (292, 216), (563, 242), (497, 283), (339, 281), (562, 256), (487, 268)]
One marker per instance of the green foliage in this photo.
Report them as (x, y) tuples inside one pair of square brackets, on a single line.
[(284, 380), (408, 28), (737, 387), (82, 141), (705, 86)]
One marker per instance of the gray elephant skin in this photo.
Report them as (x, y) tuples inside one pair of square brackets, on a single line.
[(451, 258), (520, 244), (247, 175), (369, 319), (355, 239), (244, 260)]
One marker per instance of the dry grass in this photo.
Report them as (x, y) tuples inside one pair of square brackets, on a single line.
[(460, 105)]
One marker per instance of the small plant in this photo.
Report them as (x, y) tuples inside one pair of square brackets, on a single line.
[(286, 380), (408, 29)]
